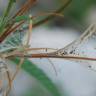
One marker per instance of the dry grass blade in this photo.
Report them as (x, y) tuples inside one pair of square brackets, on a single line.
[(53, 66), (29, 31), (7, 32), (10, 83), (6, 72), (42, 49), (51, 16), (46, 55), (17, 69), (25, 7)]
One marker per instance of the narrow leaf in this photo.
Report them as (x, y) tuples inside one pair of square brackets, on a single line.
[(34, 71)]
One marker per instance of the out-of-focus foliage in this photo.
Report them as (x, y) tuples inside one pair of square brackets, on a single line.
[(78, 8), (34, 71)]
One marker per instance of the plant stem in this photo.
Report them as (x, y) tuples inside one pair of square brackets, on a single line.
[(51, 55)]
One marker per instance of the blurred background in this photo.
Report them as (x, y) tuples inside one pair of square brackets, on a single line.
[(72, 79)]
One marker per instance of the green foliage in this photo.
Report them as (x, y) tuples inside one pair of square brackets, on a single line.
[(9, 7), (34, 71), (5, 16), (78, 8)]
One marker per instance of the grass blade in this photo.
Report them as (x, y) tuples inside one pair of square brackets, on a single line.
[(34, 71), (5, 16)]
